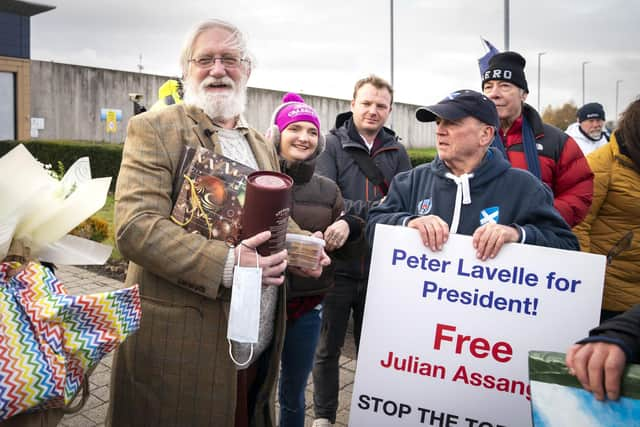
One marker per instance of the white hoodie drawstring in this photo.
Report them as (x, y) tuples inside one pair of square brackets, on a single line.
[(463, 196)]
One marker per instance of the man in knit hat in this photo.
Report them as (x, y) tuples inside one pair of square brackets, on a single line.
[(362, 156), (544, 150), (587, 131)]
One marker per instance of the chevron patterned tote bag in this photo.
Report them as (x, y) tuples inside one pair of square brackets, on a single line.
[(49, 339)]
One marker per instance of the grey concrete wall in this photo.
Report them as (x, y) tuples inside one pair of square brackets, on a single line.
[(69, 98)]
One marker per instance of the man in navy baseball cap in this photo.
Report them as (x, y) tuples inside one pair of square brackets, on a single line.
[(470, 188)]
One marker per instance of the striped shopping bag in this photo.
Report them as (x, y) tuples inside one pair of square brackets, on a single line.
[(49, 339)]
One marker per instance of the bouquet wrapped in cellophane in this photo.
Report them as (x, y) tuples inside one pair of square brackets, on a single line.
[(50, 340), (37, 211)]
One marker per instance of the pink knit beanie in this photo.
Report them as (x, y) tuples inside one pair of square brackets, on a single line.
[(293, 109)]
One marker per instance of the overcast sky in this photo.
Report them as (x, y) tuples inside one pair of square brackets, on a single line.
[(323, 47)]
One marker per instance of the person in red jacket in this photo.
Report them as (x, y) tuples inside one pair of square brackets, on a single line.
[(544, 150)]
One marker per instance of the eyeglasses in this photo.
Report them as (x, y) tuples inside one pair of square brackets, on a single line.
[(228, 62)]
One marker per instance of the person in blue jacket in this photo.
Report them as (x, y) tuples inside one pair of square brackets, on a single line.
[(470, 188)]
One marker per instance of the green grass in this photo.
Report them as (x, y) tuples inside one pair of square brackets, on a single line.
[(106, 214)]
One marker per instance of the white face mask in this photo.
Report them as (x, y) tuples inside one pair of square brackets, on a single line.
[(244, 310)]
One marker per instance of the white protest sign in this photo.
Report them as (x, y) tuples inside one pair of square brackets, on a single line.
[(446, 336)]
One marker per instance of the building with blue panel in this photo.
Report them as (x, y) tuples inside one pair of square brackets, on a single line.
[(15, 57)]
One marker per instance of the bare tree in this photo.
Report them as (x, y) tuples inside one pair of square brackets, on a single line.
[(560, 117)]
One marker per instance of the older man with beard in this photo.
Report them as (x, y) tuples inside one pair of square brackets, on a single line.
[(177, 369), (588, 132)]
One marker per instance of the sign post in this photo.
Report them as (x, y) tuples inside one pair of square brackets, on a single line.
[(112, 124), (111, 117)]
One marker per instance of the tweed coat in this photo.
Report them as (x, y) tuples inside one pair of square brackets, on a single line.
[(614, 212), (176, 371)]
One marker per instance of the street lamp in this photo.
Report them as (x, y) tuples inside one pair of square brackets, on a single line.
[(391, 59), (617, 93), (583, 64), (391, 15), (506, 24), (539, 55)]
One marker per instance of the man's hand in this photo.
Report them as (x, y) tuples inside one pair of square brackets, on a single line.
[(336, 235), (273, 266), (433, 231), (489, 239), (597, 364)]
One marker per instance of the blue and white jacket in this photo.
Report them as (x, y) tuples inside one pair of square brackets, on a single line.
[(494, 192)]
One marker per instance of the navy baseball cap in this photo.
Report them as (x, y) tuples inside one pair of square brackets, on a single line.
[(460, 104)]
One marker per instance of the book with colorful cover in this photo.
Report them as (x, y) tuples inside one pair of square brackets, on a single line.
[(209, 192), (558, 399)]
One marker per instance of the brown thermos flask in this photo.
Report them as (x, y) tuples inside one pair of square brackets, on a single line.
[(267, 206)]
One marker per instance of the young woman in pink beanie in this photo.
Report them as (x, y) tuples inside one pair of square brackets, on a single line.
[(317, 206)]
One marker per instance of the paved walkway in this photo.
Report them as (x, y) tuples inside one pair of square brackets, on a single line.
[(80, 281)]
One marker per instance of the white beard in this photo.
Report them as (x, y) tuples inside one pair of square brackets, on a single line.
[(217, 105), (595, 134)]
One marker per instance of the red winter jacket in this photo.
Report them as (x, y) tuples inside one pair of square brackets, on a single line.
[(563, 167)]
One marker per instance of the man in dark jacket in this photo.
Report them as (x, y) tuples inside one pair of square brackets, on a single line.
[(598, 361), (470, 188), (362, 156), (544, 150)]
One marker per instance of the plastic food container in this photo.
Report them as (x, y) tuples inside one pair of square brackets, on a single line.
[(303, 251)]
